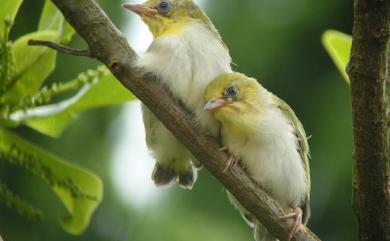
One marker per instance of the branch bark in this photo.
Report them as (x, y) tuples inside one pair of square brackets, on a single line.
[(368, 71), (110, 47)]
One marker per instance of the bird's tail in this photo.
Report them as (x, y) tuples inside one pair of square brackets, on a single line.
[(260, 233), (247, 216), (163, 175)]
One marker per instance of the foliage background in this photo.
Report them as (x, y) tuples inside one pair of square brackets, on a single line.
[(276, 41)]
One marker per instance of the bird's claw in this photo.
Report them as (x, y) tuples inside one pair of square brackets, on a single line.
[(224, 148), (297, 216), (232, 159), (230, 162)]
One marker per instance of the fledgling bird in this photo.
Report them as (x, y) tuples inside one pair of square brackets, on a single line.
[(186, 54), (262, 131)]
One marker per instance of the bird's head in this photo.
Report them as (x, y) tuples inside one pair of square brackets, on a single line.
[(234, 98), (168, 16)]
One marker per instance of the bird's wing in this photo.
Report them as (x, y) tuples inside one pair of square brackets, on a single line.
[(198, 13), (151, 124), (303, 150)]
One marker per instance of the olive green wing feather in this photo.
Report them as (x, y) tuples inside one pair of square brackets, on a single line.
[(151, 124), (303, 150), (197, 13)]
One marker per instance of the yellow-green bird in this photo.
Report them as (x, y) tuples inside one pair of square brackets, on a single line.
[(186, 54), (262, 131)]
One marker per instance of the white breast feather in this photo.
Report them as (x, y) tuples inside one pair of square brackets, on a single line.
[(186, 62), (271, 157)]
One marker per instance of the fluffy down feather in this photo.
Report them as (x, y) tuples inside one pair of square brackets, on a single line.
[(186, 62), (262, 132)]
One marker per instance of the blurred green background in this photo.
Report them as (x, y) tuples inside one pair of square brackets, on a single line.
[(276, 41)]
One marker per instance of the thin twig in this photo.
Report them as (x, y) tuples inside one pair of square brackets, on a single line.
[(61, 48)]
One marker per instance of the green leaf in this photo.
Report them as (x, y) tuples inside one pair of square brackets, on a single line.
[(26, 55), (8, 10), (28, 59), (338, 46), (53, 125), (78, 189), (53, 119), (107, 91), (52, 19)]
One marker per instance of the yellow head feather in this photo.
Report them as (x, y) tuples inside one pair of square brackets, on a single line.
[(239, 100), (174, 16)]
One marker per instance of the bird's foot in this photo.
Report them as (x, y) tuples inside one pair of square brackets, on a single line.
[(232, 160), (296, 215), (224, 148)]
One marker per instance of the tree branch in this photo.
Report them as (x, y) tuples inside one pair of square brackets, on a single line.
[(388, 93), (110, 47), (368, 71), (60, 48)]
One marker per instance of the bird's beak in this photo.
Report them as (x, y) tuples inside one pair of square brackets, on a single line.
[(215, 104), (141, 9)]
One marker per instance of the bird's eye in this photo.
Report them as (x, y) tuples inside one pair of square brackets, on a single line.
[(164, 6), (231, 91)]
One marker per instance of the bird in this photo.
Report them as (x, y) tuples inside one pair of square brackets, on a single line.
[(264, 135), (186, 53)]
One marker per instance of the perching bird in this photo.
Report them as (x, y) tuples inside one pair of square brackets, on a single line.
[(263, 133), (186, 54)]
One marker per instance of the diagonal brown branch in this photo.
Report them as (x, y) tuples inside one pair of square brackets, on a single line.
[(110, 47)]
